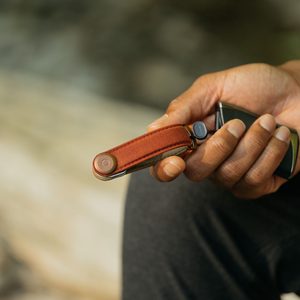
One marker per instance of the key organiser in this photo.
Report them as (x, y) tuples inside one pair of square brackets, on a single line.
[(144, 151), (148, 149)]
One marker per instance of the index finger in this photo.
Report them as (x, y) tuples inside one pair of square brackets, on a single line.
[(194, 104), (208, 157)]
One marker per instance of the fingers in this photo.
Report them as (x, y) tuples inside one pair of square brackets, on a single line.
[(168, 169), (202, 162), (259, 179), (248, 171), (246, 153), (243, 164), (209, 156), (194, 104)]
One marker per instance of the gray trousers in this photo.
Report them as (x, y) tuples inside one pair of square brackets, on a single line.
[(186, 240)]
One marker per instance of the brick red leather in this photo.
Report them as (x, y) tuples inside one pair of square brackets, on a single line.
[(147, 146)]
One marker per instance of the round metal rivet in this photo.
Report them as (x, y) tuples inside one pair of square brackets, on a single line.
[(105, 163)]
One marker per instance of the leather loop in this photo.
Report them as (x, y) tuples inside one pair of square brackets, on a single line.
[(145, 150)]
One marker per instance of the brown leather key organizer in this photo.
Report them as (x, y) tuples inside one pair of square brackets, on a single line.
[(144, 151), (148, 149)]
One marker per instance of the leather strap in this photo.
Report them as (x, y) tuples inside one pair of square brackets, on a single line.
[(146, 150)]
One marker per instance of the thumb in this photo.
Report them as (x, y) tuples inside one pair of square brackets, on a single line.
[(168, 169), (194, 104)]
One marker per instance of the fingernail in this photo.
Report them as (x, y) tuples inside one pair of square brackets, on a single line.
[(267, 122), (283, 134), (237, 128), (171, 169), (158, 121)]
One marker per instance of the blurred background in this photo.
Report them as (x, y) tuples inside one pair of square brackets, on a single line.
[(78, 77)]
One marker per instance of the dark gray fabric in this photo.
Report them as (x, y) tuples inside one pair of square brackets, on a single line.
[(185, 240)]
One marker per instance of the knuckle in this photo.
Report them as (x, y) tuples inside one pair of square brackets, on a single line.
[(229, 172), (274, 154), (194, 174), (204, 82), (173, 104), (193, 170), (177, 106), (220, 145), (200, 80), (256, 142), (270, 187), (254, 178)]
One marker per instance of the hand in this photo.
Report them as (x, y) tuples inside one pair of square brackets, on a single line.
[(241, 163)]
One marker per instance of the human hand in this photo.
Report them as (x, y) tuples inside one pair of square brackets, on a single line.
[(241, 163)]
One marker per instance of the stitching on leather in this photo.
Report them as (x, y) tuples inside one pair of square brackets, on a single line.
[(132, 168), (170, 147), (145, 136), (150, 154)]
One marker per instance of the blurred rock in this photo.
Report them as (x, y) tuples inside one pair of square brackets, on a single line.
[(99, 45), (155, 78), (181, 37), (16, 279), (290, 11), (8, 277), (55, 216)]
